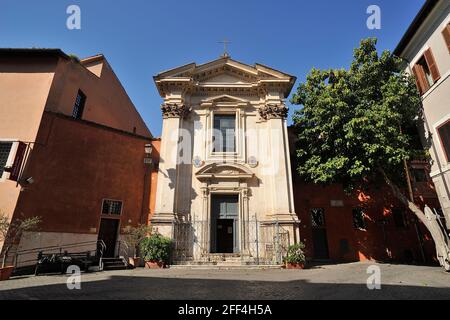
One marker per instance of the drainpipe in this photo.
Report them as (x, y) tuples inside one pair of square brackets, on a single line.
[(146, 195)]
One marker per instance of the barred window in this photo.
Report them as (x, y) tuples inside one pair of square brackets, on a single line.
[(78, 108), (112, 207), (419, 175), (5, 149), (318, 218), (359, 221)]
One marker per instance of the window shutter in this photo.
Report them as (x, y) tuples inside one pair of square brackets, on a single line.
[(446, 34), (18, 161), (421, 84), (432, 65)]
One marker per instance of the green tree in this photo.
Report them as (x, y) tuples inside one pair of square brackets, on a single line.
[(135, 235), (352, 124), (12, 231)]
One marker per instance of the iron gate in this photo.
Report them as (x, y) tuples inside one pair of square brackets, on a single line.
[(261, 242)]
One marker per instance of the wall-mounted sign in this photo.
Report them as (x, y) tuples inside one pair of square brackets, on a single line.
[(337, 203)]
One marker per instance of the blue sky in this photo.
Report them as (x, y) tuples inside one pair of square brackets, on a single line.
[(142, 38)]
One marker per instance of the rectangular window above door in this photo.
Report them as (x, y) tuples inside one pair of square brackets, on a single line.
[(224, 135), (112, 207)]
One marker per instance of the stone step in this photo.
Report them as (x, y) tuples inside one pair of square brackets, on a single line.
[(237, 262), (114, 264), (225, 267)]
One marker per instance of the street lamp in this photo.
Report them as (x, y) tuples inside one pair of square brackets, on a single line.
[(148, 154), (148, 149)]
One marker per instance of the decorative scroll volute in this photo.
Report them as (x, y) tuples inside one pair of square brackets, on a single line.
[(174, 111), (274, 111)]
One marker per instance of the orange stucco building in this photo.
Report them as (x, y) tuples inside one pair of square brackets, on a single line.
[(73, 149)]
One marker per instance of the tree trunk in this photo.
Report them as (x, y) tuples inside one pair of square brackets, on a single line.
[(429, 220), (5, 256)]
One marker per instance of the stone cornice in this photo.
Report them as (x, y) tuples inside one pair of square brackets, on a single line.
[(194, 78)]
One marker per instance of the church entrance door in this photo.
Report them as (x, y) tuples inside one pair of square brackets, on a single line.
[(225, 236), (224, 224)]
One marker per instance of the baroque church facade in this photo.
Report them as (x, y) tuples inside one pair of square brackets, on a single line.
[(224, 182)]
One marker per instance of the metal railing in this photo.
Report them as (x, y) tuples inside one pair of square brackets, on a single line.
[(24, 258), (260, 243), (123, 250)]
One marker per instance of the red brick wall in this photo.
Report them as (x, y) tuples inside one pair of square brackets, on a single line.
[(75, 165), (381, 243)]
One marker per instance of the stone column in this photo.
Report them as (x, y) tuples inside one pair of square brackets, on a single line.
[(165, 208), (205, 222), (245, 240)]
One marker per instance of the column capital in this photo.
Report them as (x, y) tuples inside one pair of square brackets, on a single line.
[(174, 110), (245, 193), (205, 192), (274, 111)]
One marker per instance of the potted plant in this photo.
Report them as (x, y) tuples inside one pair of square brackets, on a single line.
[(156, 251), (10, 234), (133, 237), (295, 258)]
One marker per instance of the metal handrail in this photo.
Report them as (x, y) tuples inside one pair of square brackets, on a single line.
[(60, 249), (57, 247), (126, 247)]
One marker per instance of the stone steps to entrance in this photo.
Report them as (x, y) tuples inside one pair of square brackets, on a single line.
[(227, 261), (114, 264), (225, 267)]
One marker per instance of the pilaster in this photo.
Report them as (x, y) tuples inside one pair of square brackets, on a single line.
[(165, 209)]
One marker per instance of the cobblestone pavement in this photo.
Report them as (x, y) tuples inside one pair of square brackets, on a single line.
[(347, 281)]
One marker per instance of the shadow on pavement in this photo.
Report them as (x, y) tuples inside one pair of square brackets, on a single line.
[(138, 288)]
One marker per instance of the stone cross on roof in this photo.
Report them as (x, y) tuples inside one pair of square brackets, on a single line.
[(225, 43)]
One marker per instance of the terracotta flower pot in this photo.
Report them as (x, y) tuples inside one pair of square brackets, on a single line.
[(5, 273), (295, 266), (154, 265), (135, 262)]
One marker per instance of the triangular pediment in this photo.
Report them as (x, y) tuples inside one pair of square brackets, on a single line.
[(225, 99), (224, 71), (224, 65), (225, 77)]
